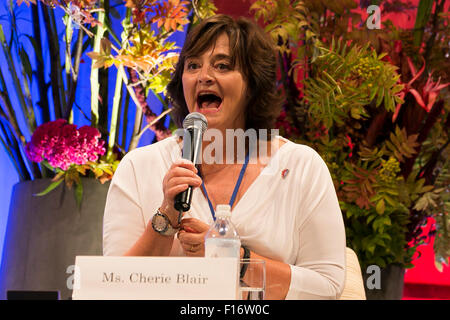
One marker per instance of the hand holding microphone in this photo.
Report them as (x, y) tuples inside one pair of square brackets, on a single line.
[(182, 178), (194, 126)]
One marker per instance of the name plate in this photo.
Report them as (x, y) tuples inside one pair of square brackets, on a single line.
[(155, 278)]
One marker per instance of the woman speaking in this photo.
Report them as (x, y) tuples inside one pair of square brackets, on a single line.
[(283, 201)]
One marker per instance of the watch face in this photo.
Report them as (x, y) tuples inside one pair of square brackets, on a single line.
[(159, 222)]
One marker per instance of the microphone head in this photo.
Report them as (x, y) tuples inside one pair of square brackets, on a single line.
[(195, 120)]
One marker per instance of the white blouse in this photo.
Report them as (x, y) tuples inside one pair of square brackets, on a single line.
[(294, 218)]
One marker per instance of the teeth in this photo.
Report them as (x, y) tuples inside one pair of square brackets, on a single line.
[(207, 93)]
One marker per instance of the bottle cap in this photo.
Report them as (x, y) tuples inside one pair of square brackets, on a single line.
[(223, 210)]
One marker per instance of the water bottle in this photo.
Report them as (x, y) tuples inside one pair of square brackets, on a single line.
[(222, 239)]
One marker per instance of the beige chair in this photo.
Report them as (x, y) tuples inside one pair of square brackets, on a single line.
[(354, 284)]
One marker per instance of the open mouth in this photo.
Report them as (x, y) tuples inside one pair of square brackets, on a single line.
[(209, 101)]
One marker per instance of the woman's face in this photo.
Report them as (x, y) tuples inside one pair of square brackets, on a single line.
[(213, 88)]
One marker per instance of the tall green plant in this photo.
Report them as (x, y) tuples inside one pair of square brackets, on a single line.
[(20, 73), (357, 96)]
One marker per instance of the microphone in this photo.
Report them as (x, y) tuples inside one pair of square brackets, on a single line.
[(194, 126)]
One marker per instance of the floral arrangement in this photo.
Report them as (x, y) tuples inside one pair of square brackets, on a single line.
[(375, 105), (62, 144), (139, 61), (70, 152)]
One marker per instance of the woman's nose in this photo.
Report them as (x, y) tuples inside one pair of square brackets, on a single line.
[(205, 76)]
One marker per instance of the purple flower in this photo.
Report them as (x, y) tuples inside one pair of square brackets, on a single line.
[(62, 144)]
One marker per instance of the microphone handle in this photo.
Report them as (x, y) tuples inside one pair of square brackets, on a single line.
[(183, 200), (191, 151)]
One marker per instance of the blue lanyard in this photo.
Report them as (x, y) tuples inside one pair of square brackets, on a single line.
[(235, 191)]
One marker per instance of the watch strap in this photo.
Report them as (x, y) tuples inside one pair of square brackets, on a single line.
[(169, 230)]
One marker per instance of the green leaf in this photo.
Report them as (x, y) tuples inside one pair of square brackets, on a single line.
[(390, 201), (26, 63), (376, 197), (348, 213), (371, 247), (422, 17), (52, 186), (370, 218), (380, 207), (427, 188), (355, 113), (391, 191), (380, 96), (35, 48), (47, 165)]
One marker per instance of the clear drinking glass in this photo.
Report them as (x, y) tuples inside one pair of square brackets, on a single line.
[(253, 285)]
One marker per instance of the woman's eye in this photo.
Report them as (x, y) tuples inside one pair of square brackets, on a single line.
[(192, 66), (223, 66)]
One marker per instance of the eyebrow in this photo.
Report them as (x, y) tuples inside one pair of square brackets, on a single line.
[(221, 56), (218, 56)]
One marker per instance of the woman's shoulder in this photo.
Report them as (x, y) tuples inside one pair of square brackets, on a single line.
[(300, 152), (310, 168)]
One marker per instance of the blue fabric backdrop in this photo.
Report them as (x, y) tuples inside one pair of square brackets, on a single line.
[(7, 173)]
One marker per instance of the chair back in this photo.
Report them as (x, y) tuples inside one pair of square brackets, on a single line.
[(354, 284)]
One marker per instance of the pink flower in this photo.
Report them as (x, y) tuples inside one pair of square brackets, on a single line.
[(62, 144), (430, 90)]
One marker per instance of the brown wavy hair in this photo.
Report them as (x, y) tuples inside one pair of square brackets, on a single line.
[(256, 55)]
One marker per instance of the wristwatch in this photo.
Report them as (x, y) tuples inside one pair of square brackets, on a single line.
[(162, 225)]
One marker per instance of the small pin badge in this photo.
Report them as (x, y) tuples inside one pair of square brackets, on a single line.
[(284, 173)]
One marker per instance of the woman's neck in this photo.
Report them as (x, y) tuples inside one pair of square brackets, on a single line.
[(222, 155), (260, 154)]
